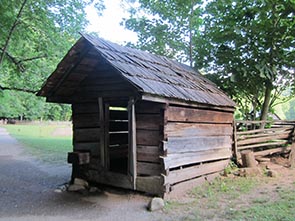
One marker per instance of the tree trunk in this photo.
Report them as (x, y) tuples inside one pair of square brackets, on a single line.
[(266, 102)]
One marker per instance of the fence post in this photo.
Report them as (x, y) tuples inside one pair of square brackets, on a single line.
[(235, 142)]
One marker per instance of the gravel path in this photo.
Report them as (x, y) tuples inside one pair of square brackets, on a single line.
[(27, 192)]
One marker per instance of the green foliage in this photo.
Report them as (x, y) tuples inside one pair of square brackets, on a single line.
[(167, 27), (246, 46), (267, 209), (232, 187), (22, 105), (41, 142), (35, 35), (286, 110), (249, 46)]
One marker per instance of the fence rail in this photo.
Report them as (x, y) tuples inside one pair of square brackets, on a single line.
[(263, 137)]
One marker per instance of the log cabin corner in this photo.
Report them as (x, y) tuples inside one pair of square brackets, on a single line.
[(140, 121)]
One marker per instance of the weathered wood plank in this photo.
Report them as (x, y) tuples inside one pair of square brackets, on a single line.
[(194, 129), (93, 147), (272, 151), (263, 139), (148, 137), (148, 153), (152, 169), (85, 108), (146, 107), (76, 76), (149, 121), (273, 133), (100, 80), (180, 175), (180, 114), (268, 144), (110, 178), (102, 132), (268, 130), (132, 159), (104, 88), (87, 134), (112, 93), (86, 120), (190, 144), (182, 159), (150, 184), (153, 98)]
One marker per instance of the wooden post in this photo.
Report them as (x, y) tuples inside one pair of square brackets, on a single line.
[(248, 159), (102, 132), (235, 149), (107, 135), (132, 141)]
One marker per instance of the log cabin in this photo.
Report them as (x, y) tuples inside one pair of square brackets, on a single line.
[(141, 121)]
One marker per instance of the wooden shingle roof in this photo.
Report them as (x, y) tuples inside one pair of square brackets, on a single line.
[(156, 75)]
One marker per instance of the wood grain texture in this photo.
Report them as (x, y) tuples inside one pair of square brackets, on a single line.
[(87, 134), (149, 121), (174, 129), (85, 108), (151, 169), (148, 137), (181, 114), (181, 159), (148, 153), (193, 144), (88, 120), (93, 147), (150, 184), (180, 175), (110, 178)]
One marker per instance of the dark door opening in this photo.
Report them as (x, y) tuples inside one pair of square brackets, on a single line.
[(117, 135)]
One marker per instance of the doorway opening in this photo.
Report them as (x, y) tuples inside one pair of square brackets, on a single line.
[(117, 138)]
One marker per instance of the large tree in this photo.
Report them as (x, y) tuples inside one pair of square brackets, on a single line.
[(168, 27), (251, 49), (246, 46), (34, 36)]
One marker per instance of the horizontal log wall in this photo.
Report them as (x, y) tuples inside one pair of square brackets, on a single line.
[(86, 130), (274, 137), (199, 142), (149, 137)]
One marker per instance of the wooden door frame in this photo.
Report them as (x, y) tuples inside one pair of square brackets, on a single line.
[(104, 142)]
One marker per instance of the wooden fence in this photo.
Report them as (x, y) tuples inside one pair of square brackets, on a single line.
[(263, 137)]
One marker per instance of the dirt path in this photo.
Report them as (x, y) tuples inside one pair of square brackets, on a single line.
[(27, 192)]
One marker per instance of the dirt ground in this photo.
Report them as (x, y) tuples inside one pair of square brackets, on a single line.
[(27, 193)]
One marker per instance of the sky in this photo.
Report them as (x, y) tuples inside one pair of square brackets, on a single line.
[(108, 25)]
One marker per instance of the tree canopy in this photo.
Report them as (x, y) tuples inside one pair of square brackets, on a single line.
[(35, 35), (167, 28), (247, 47), (250, 49)]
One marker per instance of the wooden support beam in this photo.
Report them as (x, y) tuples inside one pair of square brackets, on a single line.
[(132, 141), (102, 132)]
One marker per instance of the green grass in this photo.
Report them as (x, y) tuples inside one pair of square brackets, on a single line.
[(40, 141), (223, 199), (269, 209)]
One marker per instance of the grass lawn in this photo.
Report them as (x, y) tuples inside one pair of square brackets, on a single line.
[(41, 141), (235, 199)]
